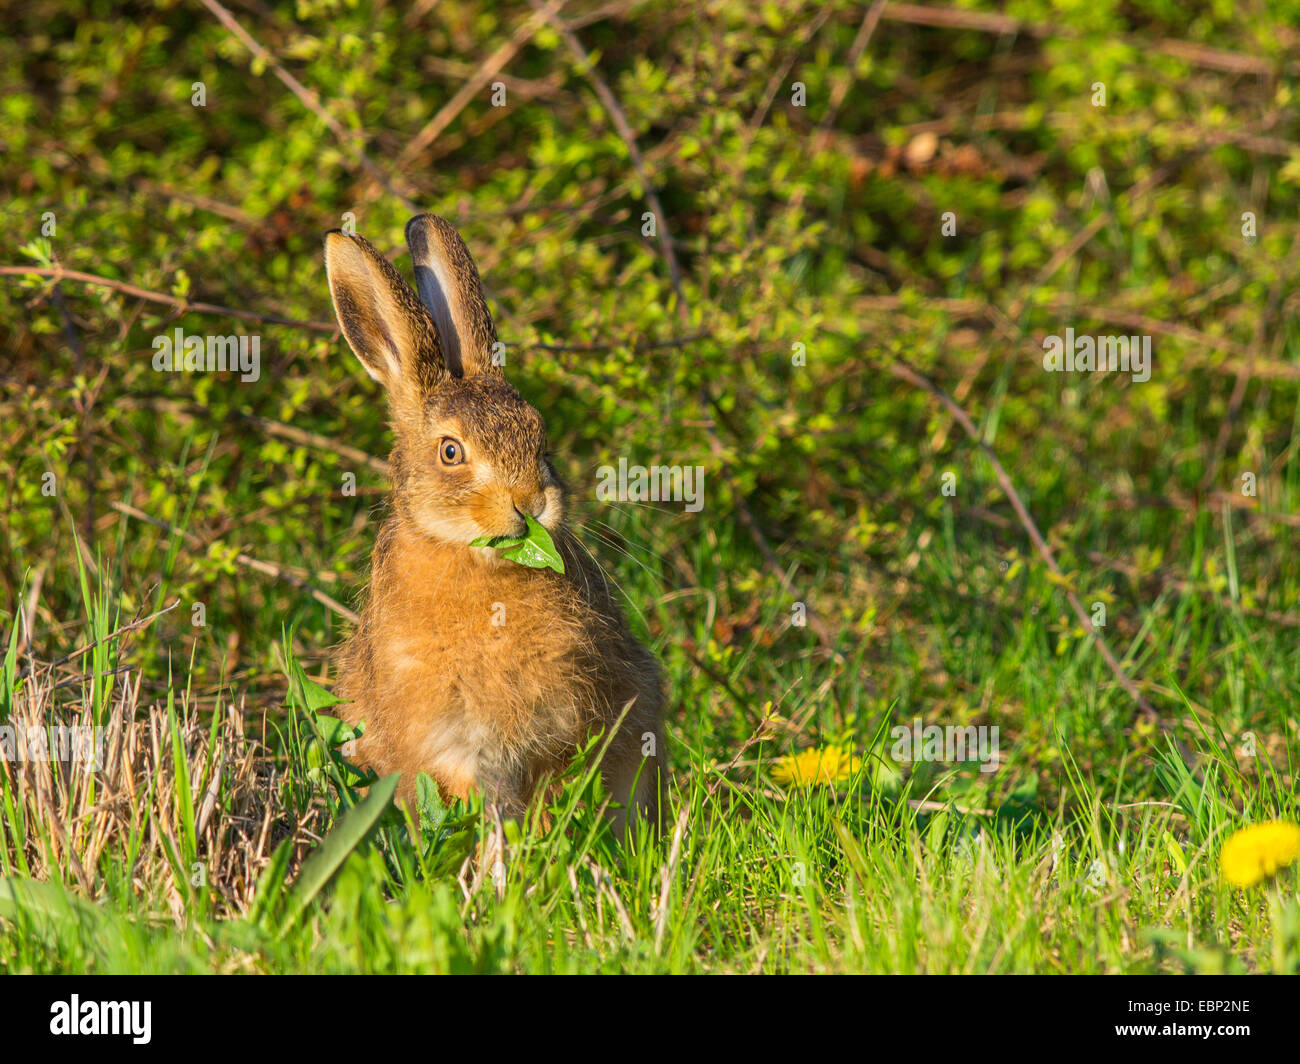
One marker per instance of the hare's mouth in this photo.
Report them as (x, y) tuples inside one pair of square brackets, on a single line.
[(507, 513), (490, 515)]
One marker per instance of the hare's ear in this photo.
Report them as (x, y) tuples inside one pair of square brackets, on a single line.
[(449, 287), (383, 321)]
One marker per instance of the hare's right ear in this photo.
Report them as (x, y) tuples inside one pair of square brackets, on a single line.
[(449, 287), (382, 319)]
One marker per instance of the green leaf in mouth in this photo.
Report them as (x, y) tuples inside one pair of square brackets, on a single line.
[(535, 550)]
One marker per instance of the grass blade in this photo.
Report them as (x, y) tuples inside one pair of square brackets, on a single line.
[(348, 833)]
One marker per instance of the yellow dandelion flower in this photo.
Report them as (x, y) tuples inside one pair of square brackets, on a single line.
[(808, 768), (1259, 852)]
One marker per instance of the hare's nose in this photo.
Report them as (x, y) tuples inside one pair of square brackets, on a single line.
[(532, 505)]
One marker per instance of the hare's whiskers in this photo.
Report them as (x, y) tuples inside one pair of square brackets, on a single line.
[(609, 580), (623, 539)]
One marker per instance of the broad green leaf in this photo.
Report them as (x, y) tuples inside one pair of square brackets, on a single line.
[(429, 803), (535, 550), (336, 732), (351, 829), (304, 693)]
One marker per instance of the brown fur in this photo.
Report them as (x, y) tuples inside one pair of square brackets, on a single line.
[(478, 705)]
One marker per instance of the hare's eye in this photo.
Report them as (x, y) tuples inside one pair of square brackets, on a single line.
[(452, 452)]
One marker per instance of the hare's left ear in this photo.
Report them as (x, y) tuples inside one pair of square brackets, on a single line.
[(449, 287), (385, 325)]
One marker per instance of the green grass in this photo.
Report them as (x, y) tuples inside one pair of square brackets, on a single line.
[(175, 585), (929, 870)]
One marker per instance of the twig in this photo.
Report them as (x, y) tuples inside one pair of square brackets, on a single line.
[(756, 736), (1084, 235), (806, 34), (838, 91), (183, 305), (1248, 368), (1018, 121), (991, 22), (974, 308), (247, 560), (316, 440), (1191, 505), (747, 519), (636, 345), (310, 100), (487, 70), (842, 84), (134, 625), (616, 115), (1286, 620)]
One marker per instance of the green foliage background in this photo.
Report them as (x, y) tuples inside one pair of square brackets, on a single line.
[(816, 225)]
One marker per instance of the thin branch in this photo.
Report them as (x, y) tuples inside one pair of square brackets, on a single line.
[(1247, 370), (486, 71), (616, 115), (183, 306), (975, 308), (247, 560), (315, 440), (624, 129), (351, 141), (58, 273), (845, 81), (1285, 620), (990, 22)]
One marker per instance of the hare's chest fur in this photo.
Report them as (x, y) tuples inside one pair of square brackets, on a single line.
[(472, 670)]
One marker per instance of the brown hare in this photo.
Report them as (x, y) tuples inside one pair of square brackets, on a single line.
[(481, 672)]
